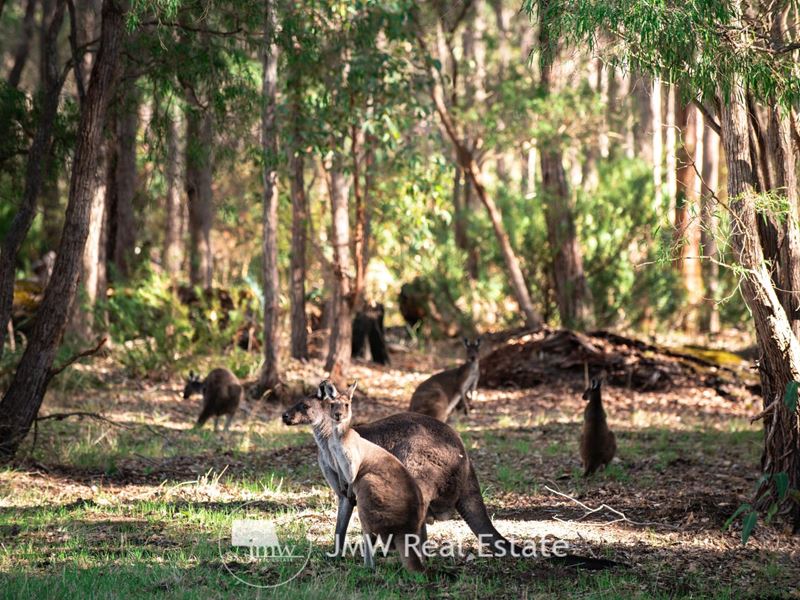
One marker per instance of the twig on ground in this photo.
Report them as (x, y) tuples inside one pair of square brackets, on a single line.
[(591, 511)]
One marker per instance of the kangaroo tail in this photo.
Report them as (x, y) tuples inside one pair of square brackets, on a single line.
[(472, 509)]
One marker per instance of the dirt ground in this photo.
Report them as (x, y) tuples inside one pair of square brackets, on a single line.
[(687, 458)]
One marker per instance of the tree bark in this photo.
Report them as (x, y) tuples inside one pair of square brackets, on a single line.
[(23, 398), (780, 350), (711, 224), (122, 217), (38, 155), (299, 341), (658, 151), (268, 377), (199, 195), (174, 210), (671, 167), (687, 217), (572, 292), (24, 46), (339, 346)]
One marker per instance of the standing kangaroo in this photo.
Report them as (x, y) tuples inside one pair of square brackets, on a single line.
[(390, 504), (431, 451), (222, 393), (438, 395), (598, 444)]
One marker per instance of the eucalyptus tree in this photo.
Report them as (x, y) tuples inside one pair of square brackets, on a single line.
[(738, 63)]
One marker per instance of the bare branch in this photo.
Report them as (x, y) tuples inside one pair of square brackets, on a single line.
[(73, 359)]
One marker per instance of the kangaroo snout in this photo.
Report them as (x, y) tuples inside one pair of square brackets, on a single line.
[(287, 418)]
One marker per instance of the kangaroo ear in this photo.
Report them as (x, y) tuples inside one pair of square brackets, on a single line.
[(465, 341), (352, 389), (595, 384), (191, 375)]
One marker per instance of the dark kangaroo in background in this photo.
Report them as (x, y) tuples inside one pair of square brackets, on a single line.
[(222, 393), (390, 504), (441, 393), (598, 444)]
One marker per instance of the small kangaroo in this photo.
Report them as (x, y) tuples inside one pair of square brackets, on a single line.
[(222, 393), (440, 394), (389, 501), (598, 444)]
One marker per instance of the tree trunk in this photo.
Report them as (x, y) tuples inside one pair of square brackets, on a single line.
[(572, 292), (268, 377), (687, 217), (658, 151), (199, 195), (466, 160), (359, 232), (121, 217), (671, 166), (24, 46), (339, 347), (22, 400), (174, 210), (299, 343), (711, 224), (780, 350), (38, 155)]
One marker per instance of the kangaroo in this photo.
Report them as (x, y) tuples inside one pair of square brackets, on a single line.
[(438, 395), (598, 444), (390, 503), (222, 393), (431, 451)]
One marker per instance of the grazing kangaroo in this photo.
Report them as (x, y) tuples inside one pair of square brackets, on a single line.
[(390, 504), (598, 444), (222, 393), (438, 395)]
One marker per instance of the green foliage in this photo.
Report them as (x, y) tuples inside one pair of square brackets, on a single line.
[(775, 484), (790, 397), (150, 325)]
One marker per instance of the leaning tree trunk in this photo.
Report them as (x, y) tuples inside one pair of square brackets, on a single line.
[(173, 209), (339, 347), (38, 156), (572, 291), (24, 46), (198, 173), (23, 398), (268, 377), (780, 350)]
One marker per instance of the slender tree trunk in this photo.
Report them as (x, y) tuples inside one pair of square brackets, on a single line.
[(671, 164), (711, 224), (341, 332), (173, 234), (268, 378), (572, 292), (299, 343), (199, 174), (780, 350), (359, 232), (125, 179), (38, 155), (24, 45), (658, 151), (687, 217), (22, 400)]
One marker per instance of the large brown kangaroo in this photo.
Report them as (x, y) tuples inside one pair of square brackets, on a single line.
[(431, 451), (390, 504), (598, 444), (441, 393), (434, 455)]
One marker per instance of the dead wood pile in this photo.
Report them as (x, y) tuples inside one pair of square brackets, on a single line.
[(532, 359)]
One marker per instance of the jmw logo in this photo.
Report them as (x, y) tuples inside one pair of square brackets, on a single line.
[(261, 537)]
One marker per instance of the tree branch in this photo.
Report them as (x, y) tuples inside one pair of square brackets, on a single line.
[(73, 359), (710, 120), (73, 44)]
